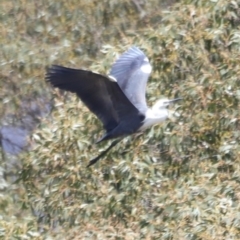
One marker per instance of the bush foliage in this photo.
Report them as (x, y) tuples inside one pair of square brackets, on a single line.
[(178, 180)]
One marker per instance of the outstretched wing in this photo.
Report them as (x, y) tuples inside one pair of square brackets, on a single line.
[(101, 94), (132, 70)]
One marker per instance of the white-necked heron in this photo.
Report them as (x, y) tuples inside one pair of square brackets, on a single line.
[(118, 99)]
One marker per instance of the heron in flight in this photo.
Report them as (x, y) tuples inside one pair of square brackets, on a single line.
[(117, 99)]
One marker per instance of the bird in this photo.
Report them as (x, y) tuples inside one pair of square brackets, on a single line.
[(117, 99)]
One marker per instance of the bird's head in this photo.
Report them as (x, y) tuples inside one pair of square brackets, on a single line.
[(164, 103)]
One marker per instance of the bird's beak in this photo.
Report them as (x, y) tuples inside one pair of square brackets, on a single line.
[(174, 100)]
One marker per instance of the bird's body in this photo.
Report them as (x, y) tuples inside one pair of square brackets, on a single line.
[(152, 118), (118, 100)]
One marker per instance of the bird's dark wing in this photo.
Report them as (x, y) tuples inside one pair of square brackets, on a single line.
[(132, 70), (100, 94)]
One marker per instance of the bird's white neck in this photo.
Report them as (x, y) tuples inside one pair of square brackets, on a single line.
[(154, 116)]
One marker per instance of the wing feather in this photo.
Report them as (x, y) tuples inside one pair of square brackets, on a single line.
[(100, 94), (132, 70)]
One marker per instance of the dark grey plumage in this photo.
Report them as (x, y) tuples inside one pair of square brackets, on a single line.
[(102, 96)]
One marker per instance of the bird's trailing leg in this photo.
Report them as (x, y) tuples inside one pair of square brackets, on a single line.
[(94, 160)]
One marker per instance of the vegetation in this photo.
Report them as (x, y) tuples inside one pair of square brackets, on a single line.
[(179, 180)]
